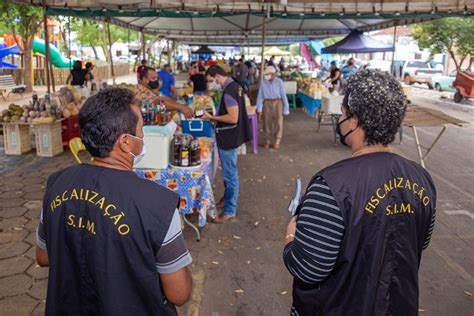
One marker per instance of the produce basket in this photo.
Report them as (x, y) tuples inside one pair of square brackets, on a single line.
[(16, 138), (49, 141)]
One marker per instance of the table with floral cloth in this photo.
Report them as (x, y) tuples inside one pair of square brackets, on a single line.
[(194, 186)]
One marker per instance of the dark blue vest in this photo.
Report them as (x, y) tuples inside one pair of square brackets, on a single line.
[(387, 203), (103, 229), (230, 136)]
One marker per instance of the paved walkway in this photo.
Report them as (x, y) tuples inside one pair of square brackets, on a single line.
[(238, 268)]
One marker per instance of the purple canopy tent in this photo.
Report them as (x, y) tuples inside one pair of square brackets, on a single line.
[(357, 42)]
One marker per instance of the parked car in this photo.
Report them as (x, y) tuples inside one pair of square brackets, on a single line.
[(383, 65), (444, 83), (419, 72)]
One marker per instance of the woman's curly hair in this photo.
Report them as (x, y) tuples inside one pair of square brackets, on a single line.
[(377, 100)]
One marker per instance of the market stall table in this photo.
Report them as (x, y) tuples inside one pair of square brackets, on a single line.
[(416, 117), (194, 185), (311, 105), (330, 106)]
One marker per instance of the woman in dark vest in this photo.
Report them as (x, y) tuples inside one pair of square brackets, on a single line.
[(355, 245)]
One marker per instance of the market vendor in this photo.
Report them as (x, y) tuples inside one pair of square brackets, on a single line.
[(334, 77), (112, 240), (349, 69), (232, 130), (149, 90), (362, 226), (198, 79), (272, 104)]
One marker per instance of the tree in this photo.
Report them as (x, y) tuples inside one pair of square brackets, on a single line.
[(452, 35), (92, 33), (24, 21)]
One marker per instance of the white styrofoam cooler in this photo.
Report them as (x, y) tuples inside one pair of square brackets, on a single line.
[(332, 104), (290, 87), (157, 140)]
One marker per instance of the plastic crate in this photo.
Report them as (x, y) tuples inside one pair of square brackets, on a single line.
[(197, 128), (17, 138), (70, 130), (49, 141)]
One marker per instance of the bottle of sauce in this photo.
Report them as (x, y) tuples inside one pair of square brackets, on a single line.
[(195, 153), (176, 151), (184, 154)]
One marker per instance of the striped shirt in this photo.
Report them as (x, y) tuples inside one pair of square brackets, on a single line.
[(311, 257)]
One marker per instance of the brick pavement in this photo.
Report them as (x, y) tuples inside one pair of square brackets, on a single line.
[(23, 283)]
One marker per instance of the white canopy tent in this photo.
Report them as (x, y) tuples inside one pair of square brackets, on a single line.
[(241, 22)]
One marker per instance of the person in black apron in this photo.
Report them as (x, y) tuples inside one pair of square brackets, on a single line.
[(355, 245), (232, 130), (112, 240)]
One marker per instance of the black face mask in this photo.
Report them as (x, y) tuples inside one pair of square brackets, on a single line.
[(153, 84), (342, 137)]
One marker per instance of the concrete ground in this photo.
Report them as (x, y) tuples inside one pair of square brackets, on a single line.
[(238, 267)]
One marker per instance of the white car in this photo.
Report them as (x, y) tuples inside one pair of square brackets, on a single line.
[(419, 72)]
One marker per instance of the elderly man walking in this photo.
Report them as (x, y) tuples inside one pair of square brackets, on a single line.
[(273, 103)]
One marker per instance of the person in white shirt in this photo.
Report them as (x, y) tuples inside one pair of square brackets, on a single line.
[(272, 104)]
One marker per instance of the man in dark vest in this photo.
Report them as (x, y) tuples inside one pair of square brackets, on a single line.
[(112, 240), (232, 130), (355, 245)]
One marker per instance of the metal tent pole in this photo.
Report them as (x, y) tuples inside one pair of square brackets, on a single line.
[(393, 53), (46, 45), (143, 45), (264, 35), (110, 53), (69, 40)]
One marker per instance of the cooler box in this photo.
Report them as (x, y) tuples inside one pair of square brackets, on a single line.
[(331, 104), (157, 140), (197, 127)]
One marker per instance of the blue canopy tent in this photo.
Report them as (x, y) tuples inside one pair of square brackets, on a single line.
[(356, 42), (317, 46)]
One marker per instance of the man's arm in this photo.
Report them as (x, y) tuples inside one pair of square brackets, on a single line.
[(260, 98), (172, 105), (42, 257), (177, 286), (232, 116), (41, 250), (286, 105), (311, 252), (171, 262)]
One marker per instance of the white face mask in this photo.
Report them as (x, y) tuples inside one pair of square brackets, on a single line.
[(267, 77), (214, 85), (139, 157)]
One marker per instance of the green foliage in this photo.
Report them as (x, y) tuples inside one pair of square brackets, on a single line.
[(89, 33), (22, 19), (332, 40), (452, 35), (294, 49)]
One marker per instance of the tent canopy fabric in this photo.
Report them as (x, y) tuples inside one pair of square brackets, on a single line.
[(357, 42), (239, 21), (275, 51), (204, 50)]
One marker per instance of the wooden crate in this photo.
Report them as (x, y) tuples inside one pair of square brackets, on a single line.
[(49, 141), (16, 138)]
